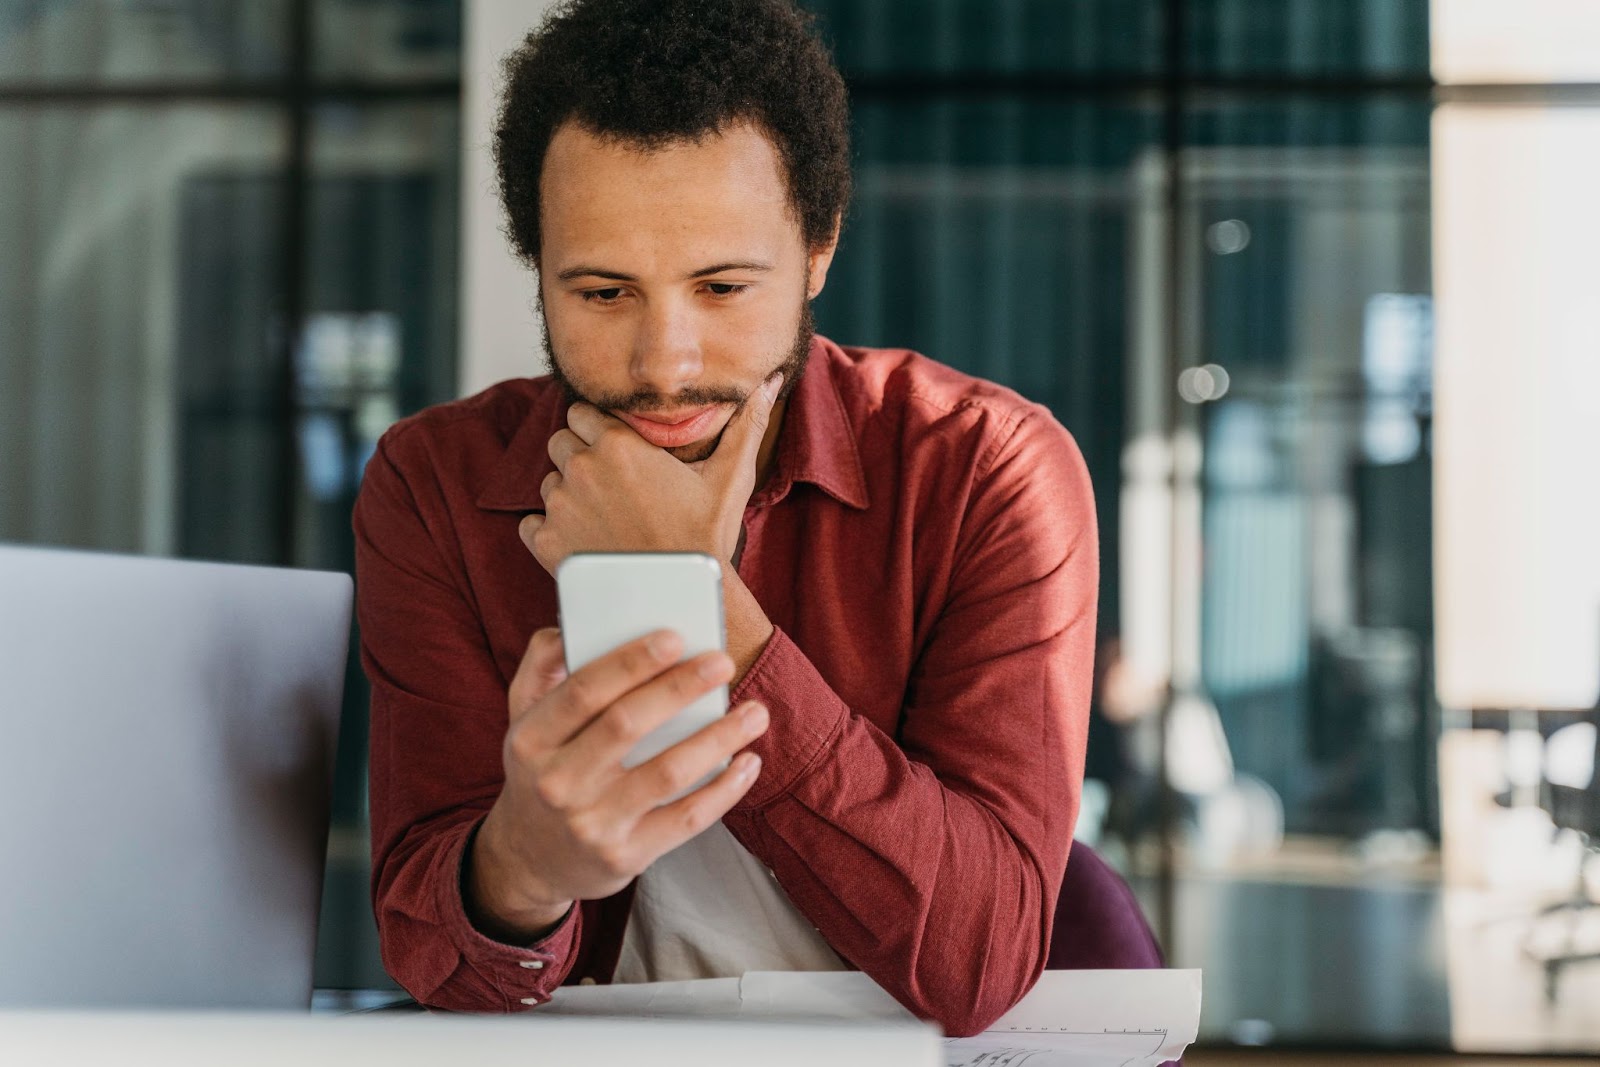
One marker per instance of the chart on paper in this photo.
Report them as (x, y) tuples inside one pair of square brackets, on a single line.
[(1068, 1019), (1090, 1019), (1063, 1048)]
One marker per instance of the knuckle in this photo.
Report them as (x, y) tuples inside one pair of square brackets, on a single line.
[(673, 775), (519, 694), (615, 858), (693, 818), (545, 642), (687, 682), (581, 691), (623, 724), (606, 848), (552, 791), (639, 662), (543, 541), (586, 832), (520, 746)]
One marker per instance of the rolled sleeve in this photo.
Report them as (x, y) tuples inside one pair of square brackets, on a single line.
[(523, 975)]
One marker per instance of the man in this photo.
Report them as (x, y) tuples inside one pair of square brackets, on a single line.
[(909, 564)]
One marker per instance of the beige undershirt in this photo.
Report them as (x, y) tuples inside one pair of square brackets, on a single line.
[(709, 909)]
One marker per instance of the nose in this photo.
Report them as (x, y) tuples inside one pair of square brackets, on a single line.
[(666, 353)]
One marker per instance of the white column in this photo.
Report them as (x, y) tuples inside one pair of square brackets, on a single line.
[(1527, 42), (1517, 406), (499, 325)]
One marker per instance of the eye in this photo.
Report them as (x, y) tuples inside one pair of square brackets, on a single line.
[(725, 288), (602, 296)]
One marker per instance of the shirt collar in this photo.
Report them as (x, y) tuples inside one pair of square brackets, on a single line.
[(816, 444)]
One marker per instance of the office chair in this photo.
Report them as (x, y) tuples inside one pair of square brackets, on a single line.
[(1571, 794), (1098, 922)]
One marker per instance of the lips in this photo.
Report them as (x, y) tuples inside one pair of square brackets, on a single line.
[(685, 430)]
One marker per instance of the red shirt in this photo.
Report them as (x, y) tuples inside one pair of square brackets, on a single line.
[(925, 548)]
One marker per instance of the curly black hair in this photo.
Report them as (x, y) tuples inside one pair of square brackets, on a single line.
[(653, 72)]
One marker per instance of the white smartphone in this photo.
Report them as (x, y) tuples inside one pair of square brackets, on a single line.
[(610, 598)]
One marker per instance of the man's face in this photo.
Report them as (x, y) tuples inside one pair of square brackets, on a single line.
[(673, 282)]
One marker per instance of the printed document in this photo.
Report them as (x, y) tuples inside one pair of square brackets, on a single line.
[(1069, 1019)]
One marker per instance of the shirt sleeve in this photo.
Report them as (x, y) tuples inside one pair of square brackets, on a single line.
[(933, 861), (438, 720)]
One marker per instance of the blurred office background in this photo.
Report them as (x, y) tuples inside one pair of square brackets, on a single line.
[(1311, 281)]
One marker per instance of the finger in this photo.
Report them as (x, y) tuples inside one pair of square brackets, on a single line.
[(669, 774), (546, 487), (528, 527), (590, 691), (562, 447), (588, 422), (538, 542), (669, 826), (612, 735), (741, 440), (543, 667)]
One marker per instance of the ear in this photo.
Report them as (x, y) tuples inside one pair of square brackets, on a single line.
[(819, 259)]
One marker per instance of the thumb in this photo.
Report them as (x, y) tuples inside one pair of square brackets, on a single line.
[(543, 667), (741, 440)]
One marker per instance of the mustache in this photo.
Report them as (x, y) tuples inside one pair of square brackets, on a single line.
[(643, 402)]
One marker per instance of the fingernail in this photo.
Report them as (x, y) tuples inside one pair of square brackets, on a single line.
[(747, 765), (664, 646), (755, 718), (714, 668), (771, 388)]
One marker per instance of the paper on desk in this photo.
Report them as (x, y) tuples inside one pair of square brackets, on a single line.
[(1090, 1019), (707, 997), (1069, 1019)]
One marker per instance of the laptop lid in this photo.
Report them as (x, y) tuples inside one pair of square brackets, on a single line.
[(167, 735)]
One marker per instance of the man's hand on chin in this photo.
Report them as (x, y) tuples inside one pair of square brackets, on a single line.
[(613, 491)]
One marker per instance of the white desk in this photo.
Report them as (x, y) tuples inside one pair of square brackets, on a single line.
[(154, 1039)]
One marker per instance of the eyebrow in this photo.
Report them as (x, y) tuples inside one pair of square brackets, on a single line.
[(585, 271)]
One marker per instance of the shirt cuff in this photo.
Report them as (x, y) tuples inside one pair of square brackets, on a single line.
[(526, 976), (806, 718)]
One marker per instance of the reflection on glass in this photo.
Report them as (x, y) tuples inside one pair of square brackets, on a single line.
[(105, 41), (994, 236), (379, 336), (378, 342), (878, 37), (136, 356), (387, 40), (1376, 38), (1301, 731)]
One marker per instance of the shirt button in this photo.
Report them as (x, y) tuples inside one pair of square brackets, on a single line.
[(533, 965), (586, 981), (530, 1001)]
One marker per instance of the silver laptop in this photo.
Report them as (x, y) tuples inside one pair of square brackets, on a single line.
[(167, 735)]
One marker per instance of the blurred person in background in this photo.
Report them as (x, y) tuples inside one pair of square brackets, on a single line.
[(1125, 743)]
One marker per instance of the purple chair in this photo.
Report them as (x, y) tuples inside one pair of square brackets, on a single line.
[(1099, 925)]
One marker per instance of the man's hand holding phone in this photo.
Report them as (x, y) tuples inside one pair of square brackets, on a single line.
[(572, 823)]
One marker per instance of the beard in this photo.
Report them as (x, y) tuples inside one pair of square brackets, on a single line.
[(792, 364)]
